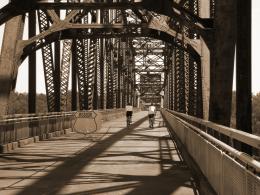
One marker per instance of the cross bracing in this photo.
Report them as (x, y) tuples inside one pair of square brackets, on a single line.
[(108, 47)]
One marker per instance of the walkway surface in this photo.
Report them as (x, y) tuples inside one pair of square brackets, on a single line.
[(115, 160)]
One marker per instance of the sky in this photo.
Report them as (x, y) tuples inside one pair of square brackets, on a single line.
[(22, 79)]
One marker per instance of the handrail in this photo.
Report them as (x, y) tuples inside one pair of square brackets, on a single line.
[(25, 117), (243, 157), (36, 117), (247, 138)]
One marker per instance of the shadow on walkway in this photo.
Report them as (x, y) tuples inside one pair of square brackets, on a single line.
[(173, 174), (71, 167)]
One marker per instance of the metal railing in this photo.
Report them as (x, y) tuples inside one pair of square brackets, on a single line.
[(227, 169), (21, 126), (17, 127)]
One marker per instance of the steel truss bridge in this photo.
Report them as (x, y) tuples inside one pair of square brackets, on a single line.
[(179, 54)]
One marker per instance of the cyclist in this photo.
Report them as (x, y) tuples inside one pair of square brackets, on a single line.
[(151, 114), (129, 113)]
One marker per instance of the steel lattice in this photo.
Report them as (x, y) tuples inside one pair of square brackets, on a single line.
[(48, 64)]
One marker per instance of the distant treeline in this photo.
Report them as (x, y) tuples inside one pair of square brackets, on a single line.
[(256, 114), (18, 104)]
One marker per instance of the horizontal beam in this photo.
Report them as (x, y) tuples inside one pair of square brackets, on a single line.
[(80, 33)]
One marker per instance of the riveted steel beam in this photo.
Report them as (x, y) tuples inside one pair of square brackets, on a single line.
[(9, 61)]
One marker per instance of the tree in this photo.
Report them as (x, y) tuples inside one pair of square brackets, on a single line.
[(256, 114)]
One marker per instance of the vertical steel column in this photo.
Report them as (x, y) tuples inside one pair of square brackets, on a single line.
[(110, 76), (102, 64), (9, 60), (194, 104), (212, 8), (65, 69), (48, 63), (199, 99), (172, 84), (57, 70), (124, 102), (166, 92), (170, 81), (32, 66), (222, 62), (192, 84), (243, 70), (98, 80), (81, 73), (102, 76), (95, 100), (65, 72), (119, 73), (74, 97), (91, 67), (180, 81)]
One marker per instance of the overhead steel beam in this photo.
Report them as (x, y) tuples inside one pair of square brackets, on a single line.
[(83, 33), (167, 8)]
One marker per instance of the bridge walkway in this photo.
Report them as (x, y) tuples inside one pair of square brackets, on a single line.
[(114, 160)]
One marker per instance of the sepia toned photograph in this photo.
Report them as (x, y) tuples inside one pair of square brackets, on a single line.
[(129, 97)]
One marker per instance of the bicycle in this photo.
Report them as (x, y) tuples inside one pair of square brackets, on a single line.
[(151, 121), (128, 120)]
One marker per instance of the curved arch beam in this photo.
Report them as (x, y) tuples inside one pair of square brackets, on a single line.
[(167, 8), (155, 24), (110, 33)]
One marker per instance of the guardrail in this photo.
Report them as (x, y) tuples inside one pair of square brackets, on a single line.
[(15, 130), (17, 127), (228, 170)]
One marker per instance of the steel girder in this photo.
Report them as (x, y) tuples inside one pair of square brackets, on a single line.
[(92, 70), (172, 9), (183, 81), (65, 72), (110, 77), (67, 30), (118, 76), (149, 67), (177, 22), (65, 68), (48, 64)]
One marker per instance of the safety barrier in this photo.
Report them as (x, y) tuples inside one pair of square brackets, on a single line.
[(18, 127), (228, 170), (22, 129)]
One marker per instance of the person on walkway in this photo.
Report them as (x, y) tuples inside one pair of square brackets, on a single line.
[(151, 115), (129, 113)]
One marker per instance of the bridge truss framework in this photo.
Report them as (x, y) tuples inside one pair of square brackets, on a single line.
[(114, 51)]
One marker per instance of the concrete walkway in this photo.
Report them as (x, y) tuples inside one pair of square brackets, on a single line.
[(114, 160)]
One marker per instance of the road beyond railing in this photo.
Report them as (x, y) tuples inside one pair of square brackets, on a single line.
[(228, 170)]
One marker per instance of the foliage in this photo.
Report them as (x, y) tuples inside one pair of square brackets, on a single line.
[(256, 113), (18, 104)]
